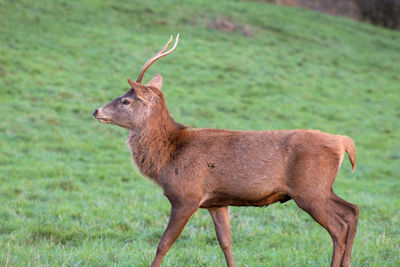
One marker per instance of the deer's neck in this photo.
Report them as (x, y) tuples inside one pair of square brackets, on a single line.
[(154, 145)]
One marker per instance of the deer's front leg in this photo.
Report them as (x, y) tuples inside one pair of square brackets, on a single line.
[(221, 220), (180, 215)]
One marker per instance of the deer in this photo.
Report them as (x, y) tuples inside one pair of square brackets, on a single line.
[(216, 168)]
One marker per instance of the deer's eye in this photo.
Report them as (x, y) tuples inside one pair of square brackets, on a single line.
[(125, 102)]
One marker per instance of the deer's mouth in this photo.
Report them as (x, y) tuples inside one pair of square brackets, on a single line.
[(103, 120)]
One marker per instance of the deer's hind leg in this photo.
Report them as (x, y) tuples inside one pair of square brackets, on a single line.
[(311, 189), (349, 213), (321, 211)]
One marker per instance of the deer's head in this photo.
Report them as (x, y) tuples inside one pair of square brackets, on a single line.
[(132, 109)]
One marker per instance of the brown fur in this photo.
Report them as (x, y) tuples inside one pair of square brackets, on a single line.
[(214, 168)]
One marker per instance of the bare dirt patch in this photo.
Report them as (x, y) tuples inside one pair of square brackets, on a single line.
[(230, 26)]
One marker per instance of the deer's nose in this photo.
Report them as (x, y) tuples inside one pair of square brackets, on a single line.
[(95, 113)]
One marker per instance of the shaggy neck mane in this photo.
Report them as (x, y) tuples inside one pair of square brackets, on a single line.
[(154, 145)]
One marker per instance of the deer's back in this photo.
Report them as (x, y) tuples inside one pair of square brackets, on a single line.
[(243, 167)]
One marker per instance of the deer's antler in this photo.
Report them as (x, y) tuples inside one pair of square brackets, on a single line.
[(160, 54)]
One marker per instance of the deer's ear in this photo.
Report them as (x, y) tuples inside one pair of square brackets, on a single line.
[(156, 82), (140, 90)]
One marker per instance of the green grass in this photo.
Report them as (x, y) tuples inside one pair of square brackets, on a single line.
[(69, 194)]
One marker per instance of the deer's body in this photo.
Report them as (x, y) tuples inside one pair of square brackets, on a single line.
[(213, 164), (214, 169)]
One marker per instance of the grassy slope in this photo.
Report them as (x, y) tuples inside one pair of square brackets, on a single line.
[(68, 191)]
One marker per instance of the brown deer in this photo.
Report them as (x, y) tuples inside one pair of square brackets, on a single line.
[(215, 168)]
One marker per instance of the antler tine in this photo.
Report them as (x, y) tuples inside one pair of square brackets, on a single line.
[(165, 47), (159, 55), (159, 52), (148, 63)]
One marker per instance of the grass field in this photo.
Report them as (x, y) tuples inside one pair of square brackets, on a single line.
[(69, 193)]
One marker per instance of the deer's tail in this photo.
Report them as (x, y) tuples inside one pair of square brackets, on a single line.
[(350, 149)]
